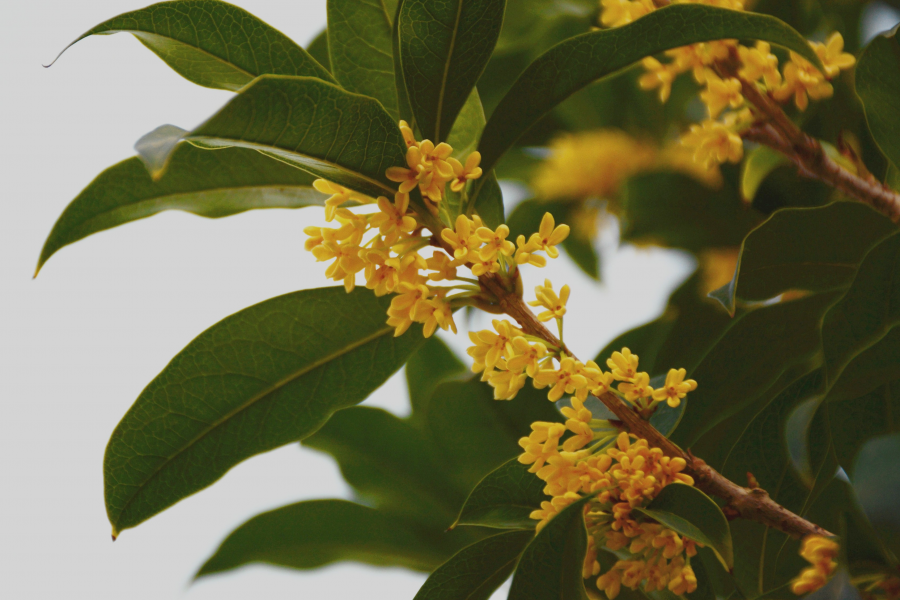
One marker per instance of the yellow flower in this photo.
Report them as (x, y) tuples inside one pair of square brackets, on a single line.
[(832, 55), (541, 444), (443, 266), (490, 345), (408, 135), (433, 313), (820, 552), (675, 389), (506, 384), (384, 273), (623, 364), (550, 509), (409, 298), (339, 195), (525, 253), (611, 583), (526, 356), (713, 143), (462, 238), (721, 93), (549, 236), (639, 388), (408, 178), (546, 297), (659, 76), (699, 57), (463, 173), (759, 63), (392, 219), (495, 242), (578, 422), (616, 13), (802, 81), (683, 580), (566, 379)]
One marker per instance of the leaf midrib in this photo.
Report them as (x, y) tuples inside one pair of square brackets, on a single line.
[(446, 74), (250, 402)]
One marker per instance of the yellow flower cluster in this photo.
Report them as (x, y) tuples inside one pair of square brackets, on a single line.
[(385, 245), (820, 552), (626, 475), (715, 141), (595, 164)]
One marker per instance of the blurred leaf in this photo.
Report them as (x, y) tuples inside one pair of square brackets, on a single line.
[(209, 184), (318, 49), (867, 312), (489, 203), (475, 572), (311, 534), (656, 206), (346, 138), (573, 64), (212, 43), (688, 511), (758, 164), (467, 129), (390, 463), (813, 249), (264, 377), (530, 23), (359, 47), (432, 364), (764, 345), (878, 86), (550, 566), (504, 498), (876, 481), (444, 48), (582, 252), (479, 433), (861, 416)]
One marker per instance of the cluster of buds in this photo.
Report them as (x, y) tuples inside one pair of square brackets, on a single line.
[(625, 473), (718, 139), (820, 552)]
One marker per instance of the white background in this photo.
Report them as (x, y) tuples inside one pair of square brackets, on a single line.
[(78, 344)]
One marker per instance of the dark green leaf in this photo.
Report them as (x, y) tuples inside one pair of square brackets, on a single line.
[(406, 112), (209, 184), (489, 203), (758, 164), (267, 376), (688, 511), (318, 49), (756, 352), (504, 498), (475, 572), (212, 43), (582, 252), (868, 311), (343, 137), (444, 48), (466, 131), (878, 85), (550, 567), (359, 46), (573, 64), (813, 249), (426, 369), (311, 534), (876, 480)]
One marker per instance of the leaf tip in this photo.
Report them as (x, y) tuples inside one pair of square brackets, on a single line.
[(725, 297)]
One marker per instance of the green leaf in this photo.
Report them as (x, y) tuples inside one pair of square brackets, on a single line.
[(212, 43), (318, 49), (264, 377), (311, 534), (475, 572), (876, 481), (428, 368), (758, 164), (550, 566), (444, 48), (878, 86), (765, 345), (489, 203), (209, 184), (466, 131), (576, 62), (867, 312), (812, 249), (359, 46), (406, 112), (688, 511), (863, 414), (504, 498), (346, 138), (392, 464)]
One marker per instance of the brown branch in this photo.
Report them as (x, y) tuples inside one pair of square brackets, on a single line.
[(779, 132)]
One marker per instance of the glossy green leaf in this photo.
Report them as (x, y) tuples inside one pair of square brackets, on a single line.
[(212, 43), (574, 63), (264, 377), (504, 498), (318, 49), (466, 131), (209, 184), (690, 512), (550, 566), (311, 534), (878, 85), (868, 311), (812, 249), (758, 164), (876, 480), (317, 126), (489, 203), (444, 48), (390, 463), (359, 47), (475, 572), (428, 368), (765, 345)]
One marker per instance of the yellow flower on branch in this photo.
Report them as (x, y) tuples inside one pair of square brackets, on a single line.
[(624, 365), (525, 253), (464, 173), (636, 389), (714, 143), (759, 63), (339, 195), (721, 93), (820, 552), (550, 235), (658, 75), (495, 242), (615, 13), (802, 81), (546, 297), (565, 380), (675, 388), (832, 55), (526, 356)]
